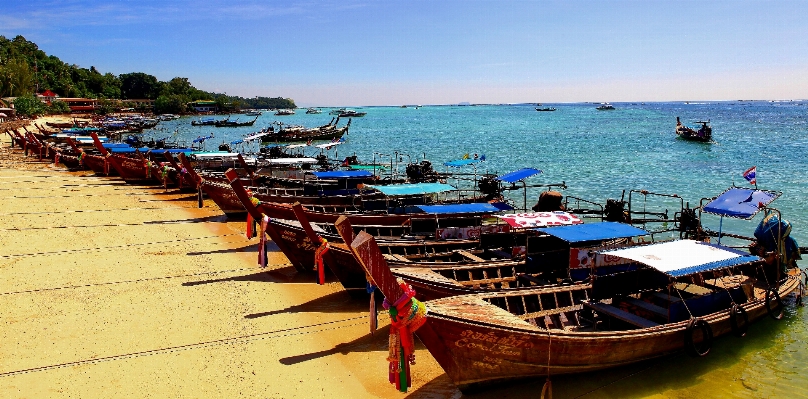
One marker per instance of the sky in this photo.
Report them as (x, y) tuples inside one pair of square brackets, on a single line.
[(375, 52)]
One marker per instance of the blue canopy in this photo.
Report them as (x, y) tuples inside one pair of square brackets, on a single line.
[(128, 150), (412, 189), (740, 203), (461, 162), (593, 231), (201, 139), (113, 145), (477, 207), (239, 141), (342, 174), (173, 150), (520, 174)]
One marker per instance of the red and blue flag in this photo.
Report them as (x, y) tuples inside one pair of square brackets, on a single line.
[(751, 175)]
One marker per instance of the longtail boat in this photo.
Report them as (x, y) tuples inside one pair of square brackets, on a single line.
[(660, 303)]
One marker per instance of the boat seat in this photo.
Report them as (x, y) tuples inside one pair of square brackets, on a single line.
[(668, 298), (630, 318), (693, 289), (647, 306), (470, 256), (531, 279)]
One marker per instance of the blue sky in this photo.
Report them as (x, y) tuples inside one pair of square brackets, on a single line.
[(437, 52)]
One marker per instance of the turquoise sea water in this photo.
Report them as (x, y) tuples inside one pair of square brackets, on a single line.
[(599, 154)]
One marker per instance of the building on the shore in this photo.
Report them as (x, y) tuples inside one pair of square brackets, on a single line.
[(80, 104), (47, 96), (203, 105)]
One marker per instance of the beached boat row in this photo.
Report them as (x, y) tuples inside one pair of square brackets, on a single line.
[(494, 295)]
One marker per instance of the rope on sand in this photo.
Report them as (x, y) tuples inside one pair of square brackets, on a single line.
[(139, 280), (68, 251), (285, 332)]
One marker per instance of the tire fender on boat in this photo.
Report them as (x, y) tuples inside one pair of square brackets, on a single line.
[(775, 312), (703, 348), (735, 312)]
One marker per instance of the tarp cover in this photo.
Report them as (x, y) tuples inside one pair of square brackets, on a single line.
[(740, 203), (461, 162), (128, 150), (520, 174), (594, 231), (477, 207), (210, 155), (111, 145), (342, 174), (683, 257), (412, 189), (540, 219), (367, 167), (173, 151), (290, 161), (329, 145)]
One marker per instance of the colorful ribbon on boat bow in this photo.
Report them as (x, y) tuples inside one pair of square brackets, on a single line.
[(407, 314), (318, 260), (81, 158), (262, 244)]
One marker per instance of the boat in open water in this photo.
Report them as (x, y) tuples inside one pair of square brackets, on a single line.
[(703, 135)]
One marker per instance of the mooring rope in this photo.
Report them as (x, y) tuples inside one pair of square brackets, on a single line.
[(67, 251), (139, 280), (292, 331)]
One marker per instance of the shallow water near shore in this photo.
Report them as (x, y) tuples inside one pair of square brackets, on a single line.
[(598, 154)]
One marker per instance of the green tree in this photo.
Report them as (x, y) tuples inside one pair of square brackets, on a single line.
[(58, 107), (29, 105), (138, 85), (15, 79), (170, 104)]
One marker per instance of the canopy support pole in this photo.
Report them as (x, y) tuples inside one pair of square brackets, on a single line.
[(720, 228)]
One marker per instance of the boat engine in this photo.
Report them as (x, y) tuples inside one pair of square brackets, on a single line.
[(615, 211), (690, 225), (322, 160), (225, 147), (549, 201), (490, 187), (422, 172)]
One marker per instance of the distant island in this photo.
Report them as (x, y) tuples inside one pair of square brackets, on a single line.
[(26, 72)]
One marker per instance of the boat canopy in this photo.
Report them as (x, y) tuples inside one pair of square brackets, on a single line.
[(128, 150), (173, 151), (461, 162), (290, 161), (520, 174), (594, 231), (239, 141), (113, 145), (477, 207), (256, 136), (297, 145), (412, 189), (342, 174), (201, 139), (742, 203), (329, 145), (683, 257), (366, 167), (207, 156)]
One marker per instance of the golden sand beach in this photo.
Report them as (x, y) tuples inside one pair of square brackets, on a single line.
[(114, 290)]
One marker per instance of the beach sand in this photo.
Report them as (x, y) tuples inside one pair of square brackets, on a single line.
[(114, 290)]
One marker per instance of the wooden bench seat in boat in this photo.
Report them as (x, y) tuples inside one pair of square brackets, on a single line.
[(693, 289), (647, 306), (532, 279), (470, 256), (668, 298), (622, 315)]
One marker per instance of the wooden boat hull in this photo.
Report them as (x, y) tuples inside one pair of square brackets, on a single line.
[(483, 352), (98, 164), (132, 170), (225, 198)]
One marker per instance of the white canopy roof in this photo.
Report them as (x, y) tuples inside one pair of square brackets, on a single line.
[(289, 161), (683, 257)]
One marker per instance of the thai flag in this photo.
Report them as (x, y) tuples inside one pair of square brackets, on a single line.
[(751, 175)]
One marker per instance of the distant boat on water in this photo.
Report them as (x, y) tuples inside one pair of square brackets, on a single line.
[(314, 111), (349, 113), (252, 112), (282, 112), (545, 109), (605, 107)]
